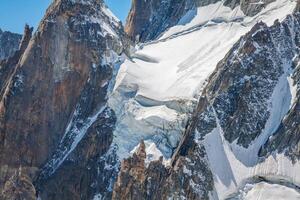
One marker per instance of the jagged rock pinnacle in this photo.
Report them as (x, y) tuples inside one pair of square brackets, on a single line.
[(26, 37), (141, 152)]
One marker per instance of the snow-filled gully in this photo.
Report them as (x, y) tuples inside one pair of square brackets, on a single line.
[(74, 133)]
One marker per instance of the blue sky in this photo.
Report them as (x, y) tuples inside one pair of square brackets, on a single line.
[(15, 13)]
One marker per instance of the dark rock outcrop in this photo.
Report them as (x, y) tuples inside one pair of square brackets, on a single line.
[(9, 43), (252, 7), (55, 120), (286, 139), (84, 173)]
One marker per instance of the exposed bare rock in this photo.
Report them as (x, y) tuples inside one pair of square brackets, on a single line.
[(56, 126), (26, 38), (53, 112), (188, 178), (9, 43), (147, 19), (83, 174), (7, 66), (131, 176), (252, 7), (297, 9), (19, 187)]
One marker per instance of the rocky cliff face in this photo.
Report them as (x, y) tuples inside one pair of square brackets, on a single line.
[(148, 19), (188, 178), (9, 43), (54, 101), (8, 65)]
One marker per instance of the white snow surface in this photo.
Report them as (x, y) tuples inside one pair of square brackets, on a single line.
[(157, 88), (98, 197), (266, 191), (230, 173), (293, 90), (233, 166), (177, 64)]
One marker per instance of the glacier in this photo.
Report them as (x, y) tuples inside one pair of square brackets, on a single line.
[(158, 86)]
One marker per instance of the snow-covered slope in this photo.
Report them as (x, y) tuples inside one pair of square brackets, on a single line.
[(267, 191), (157, 88)]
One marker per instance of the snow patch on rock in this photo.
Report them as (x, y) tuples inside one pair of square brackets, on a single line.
[(152, 152)]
